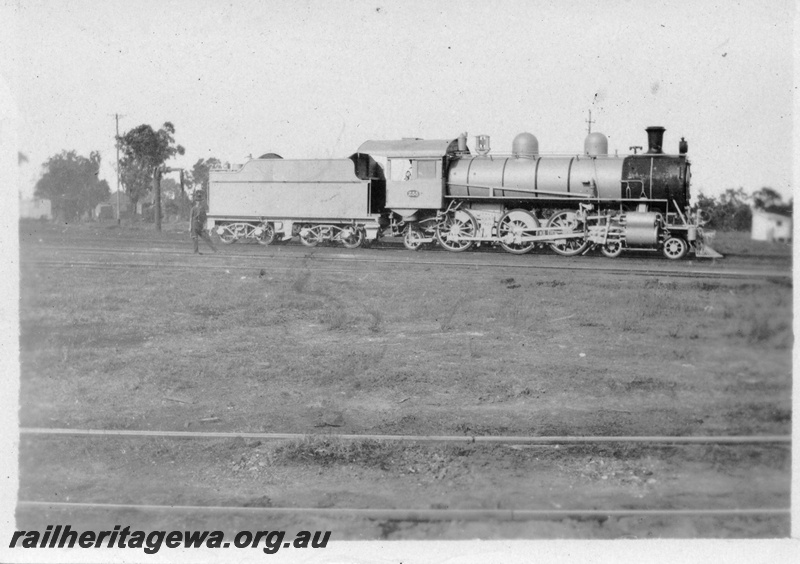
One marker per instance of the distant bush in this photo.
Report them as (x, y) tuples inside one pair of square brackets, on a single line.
[(732, 210), (728, 212)]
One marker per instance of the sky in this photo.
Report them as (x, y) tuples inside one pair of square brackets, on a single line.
[(316, 79)]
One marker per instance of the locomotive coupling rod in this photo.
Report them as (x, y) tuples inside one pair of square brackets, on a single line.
[(522, 239)]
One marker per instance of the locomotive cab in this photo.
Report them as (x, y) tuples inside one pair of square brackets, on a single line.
[(414, 172), (414, 183)]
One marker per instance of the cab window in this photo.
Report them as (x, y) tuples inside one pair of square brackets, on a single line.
[(426, 169), (402, 169)]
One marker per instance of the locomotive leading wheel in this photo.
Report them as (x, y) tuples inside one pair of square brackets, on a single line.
[(226, 234), (267, 234), (309, 236), (454, 228), (514, 225), (352, 237), (612, 249), (675, 248), (567, 223), (412, 238)]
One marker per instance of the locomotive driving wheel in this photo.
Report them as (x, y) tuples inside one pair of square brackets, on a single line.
[(412, 238), (352, 237), (567, 223), (267, 234), (454, 229), (512, 227), (675, 248)]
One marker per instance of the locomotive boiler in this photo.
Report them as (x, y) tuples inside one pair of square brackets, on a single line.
[(440, 191)]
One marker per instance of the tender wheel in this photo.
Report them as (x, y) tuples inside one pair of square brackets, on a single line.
[(512, 226), (675, 248), (267, 234), (567, 222), (226, 234), (309, 236), (612, 249), (352, 237), (454, 228), (412, 238)]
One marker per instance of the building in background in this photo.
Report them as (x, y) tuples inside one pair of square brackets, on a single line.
[(771, 227), (35, 208), (108, 209)]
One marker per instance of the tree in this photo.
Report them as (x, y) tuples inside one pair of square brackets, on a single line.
[(770, 201), (137, 180), (199, 174), (147, 149), (70, 182), (729, 212), (176, 202), (766, 197)]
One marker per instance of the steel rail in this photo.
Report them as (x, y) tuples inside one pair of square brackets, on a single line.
[(416, 514), (392, 243), (729, 439), (716, 274)]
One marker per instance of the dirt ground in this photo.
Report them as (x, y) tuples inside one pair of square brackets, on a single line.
[(123, 329)]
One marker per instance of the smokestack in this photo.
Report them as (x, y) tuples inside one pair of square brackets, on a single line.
[(655, 139)]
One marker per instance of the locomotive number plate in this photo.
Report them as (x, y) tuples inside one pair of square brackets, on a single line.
[(412, 194)]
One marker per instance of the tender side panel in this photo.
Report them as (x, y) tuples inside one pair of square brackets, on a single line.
[(285, 189)]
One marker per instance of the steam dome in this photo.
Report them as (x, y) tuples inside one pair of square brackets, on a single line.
[(595, 145), (525, 145)]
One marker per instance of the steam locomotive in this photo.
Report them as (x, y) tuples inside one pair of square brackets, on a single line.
[(439, 191)]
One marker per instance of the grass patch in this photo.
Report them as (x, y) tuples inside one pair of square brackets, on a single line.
[(431, 343), (375, 319), (740, 243), (325, 451)]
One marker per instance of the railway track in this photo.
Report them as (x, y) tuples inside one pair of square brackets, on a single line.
[(182, 245), (413, 514), (340, 258), (710, 439), (410, 514)]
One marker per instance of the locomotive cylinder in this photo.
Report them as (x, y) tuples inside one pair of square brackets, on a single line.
[(642, 228)]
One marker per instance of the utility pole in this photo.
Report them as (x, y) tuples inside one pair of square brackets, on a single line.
[(116, 117), (589, 121)]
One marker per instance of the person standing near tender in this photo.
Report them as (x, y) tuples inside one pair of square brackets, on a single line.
[(197, 224)]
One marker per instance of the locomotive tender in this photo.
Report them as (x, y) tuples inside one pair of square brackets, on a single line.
[(438, 190)]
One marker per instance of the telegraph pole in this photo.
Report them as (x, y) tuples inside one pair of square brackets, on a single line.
[(589, 121), (116, 117)]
